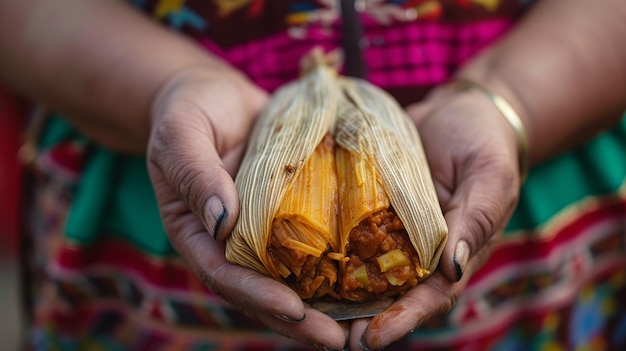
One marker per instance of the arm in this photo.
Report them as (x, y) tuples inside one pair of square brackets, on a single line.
[(564, 70), (133, 86), (101, 71)]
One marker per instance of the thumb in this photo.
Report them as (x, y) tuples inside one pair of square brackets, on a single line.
[(183, 151), (476, 214), (216, 201)]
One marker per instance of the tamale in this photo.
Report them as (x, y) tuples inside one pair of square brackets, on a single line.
[(305, 227), (337, 200)]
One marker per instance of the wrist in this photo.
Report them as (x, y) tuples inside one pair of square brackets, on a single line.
[(215, 99), (233, 82), (500, 79), (508, 112)]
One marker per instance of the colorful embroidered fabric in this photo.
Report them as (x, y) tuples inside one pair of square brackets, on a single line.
[(106, 277)]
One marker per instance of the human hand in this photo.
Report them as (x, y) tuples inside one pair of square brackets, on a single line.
[(473, 157), (200, 122)]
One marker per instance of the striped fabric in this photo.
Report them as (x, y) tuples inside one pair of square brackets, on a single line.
[(105, 276), (413, 54)]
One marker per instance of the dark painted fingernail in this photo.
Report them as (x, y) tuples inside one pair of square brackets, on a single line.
[(217, 215), (289, 319), (364, 346), (461, 256)]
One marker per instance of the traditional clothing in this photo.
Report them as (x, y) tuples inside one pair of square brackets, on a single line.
[(105, 277)]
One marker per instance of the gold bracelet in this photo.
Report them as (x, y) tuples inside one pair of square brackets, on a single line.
[(509, 113)]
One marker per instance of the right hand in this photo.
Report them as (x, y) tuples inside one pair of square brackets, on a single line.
[(200, 122), (473, 158)]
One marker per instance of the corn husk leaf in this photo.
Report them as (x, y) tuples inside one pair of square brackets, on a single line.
[(365, 121), (375, 125), (288, 131)]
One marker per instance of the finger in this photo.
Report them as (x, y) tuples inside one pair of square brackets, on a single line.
[(357, 330), (436, 295), (479, 208), (409, 311), (259, 297), (182, 151), (316, 329), (240, 286)]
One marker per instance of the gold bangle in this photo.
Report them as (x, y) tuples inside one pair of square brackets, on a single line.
[(509, 114)]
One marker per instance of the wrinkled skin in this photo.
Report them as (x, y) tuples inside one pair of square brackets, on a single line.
[(193, 154), (472, 153), (201, 118), (200, 121)]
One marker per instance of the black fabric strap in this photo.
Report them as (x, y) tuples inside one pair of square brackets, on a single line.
[(351, 33)]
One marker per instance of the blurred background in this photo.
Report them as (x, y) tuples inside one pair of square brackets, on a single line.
[(10, 139)]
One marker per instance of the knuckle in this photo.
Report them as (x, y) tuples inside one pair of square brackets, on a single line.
[(162, 132), (186, 176), (481, 225), (161, 144), (443, 300), (448, 297), (205, 279), (485, 222), (490, 213), (211, 282)]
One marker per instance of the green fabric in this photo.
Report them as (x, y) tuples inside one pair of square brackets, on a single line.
[(135, 208), (114, 195), (597, 168), (92, 198)]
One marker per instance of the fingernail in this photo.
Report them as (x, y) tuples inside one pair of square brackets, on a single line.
[(461, 256), (367, 348), (289, 319), (216, 214)]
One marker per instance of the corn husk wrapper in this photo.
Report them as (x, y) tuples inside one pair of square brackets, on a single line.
[(373, 134)]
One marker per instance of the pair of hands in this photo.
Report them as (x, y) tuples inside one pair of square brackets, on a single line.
[(200, 123)]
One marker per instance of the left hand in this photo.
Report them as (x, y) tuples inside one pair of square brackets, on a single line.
[(200, 123), (473, 157)]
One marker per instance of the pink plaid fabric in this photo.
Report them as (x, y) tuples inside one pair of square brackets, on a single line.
[(407, 54)]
